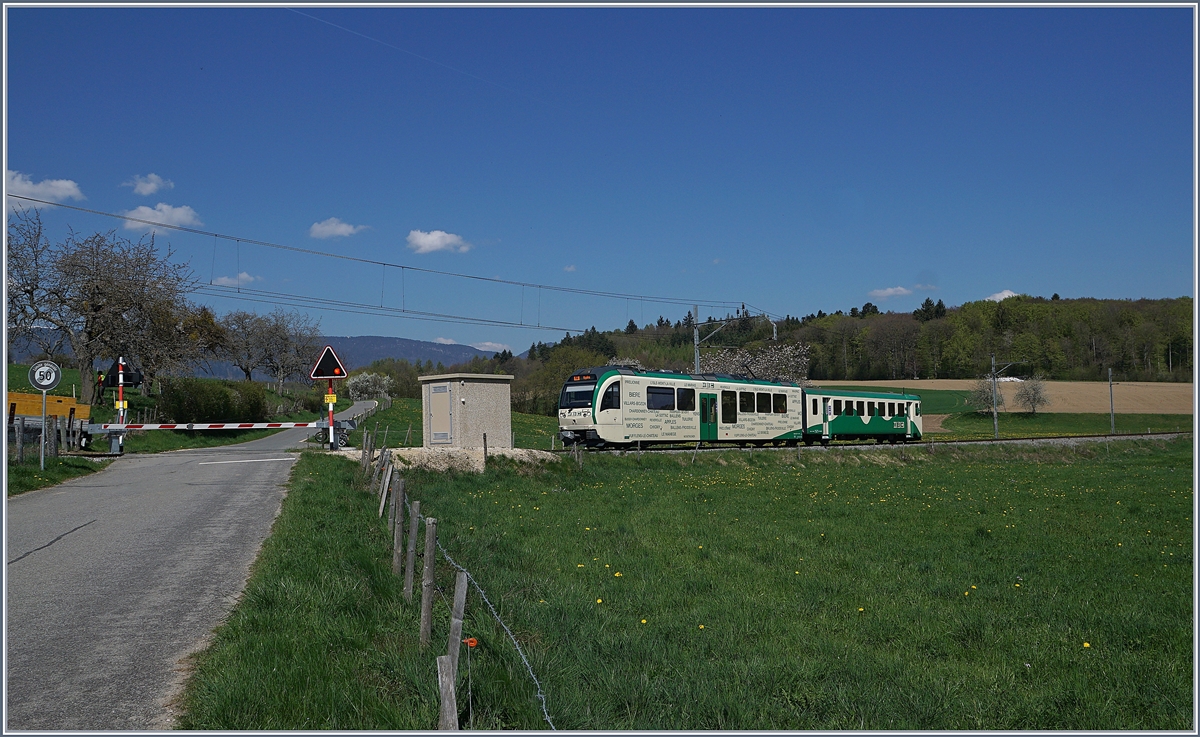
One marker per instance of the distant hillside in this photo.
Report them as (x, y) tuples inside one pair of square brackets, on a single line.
[(355, 352), (360, 350)]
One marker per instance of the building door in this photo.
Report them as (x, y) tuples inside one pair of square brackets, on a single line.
[(708, 416), (441, 407)]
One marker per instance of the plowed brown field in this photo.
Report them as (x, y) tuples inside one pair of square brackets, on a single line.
[(1129, 397)]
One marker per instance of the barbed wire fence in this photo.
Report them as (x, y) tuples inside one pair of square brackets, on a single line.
[(385, 471)]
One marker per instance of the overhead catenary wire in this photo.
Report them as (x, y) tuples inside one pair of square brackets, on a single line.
[(376, 262), (297, 300)]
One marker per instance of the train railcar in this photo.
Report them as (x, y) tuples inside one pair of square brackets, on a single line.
[(616, 406)]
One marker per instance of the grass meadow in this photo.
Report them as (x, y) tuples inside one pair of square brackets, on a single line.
[(914, 588)]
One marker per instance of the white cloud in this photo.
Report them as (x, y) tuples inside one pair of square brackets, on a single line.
[(569, 268), (445, 341), (925, 287), (333, 227), (230, 281), (436, 240), (889, 292), (53, 190), (161, 213), (149, 184), (1002, 295), (490, 346)]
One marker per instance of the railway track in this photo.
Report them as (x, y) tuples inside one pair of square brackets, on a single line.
[(1047, 439)]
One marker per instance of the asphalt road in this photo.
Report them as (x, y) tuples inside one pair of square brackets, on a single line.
[(114, 578)]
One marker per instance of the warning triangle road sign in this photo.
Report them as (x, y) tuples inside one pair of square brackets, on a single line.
[(328, 366)]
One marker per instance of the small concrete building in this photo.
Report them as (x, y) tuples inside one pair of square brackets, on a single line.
[(457, 409)]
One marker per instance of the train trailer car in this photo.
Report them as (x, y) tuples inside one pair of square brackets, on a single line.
[(617, 406)]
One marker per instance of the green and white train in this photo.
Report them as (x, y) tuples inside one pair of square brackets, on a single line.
[(616, 406)]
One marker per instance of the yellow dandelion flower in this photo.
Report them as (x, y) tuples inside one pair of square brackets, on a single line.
[(599, 601), (617, 574), (607, 566), (701, 626), (972, 587), (1017, 585), (1087, 644), (966, 593), (579, 565), (643, 621), (860, 609)]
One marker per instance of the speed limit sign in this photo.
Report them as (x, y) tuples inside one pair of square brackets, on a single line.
[(45, 375)]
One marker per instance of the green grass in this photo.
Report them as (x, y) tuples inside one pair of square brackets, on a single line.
[(933, 401), (18, 381), (1022, 424), (944, 589), (320, 639), (27, 476), (529, 431)]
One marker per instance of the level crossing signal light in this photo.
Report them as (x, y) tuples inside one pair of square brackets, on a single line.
[(328, 366)]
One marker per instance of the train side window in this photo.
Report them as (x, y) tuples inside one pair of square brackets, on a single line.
[(870, 409), (729, 407), (779, 403), (861, 409), (816, 409), (763, 402), (612, 397), (905, 410), (660, 397), (837, 406), (891, 409), (686, 400), (918, 409), (746, 401)]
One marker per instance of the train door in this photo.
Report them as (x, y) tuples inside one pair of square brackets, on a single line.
[(826, 415), (608, 417), (708, 416)]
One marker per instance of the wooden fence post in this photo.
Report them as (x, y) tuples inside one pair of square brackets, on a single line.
[(20, 440), (392, 505), (456, 619), (427, 583), (410, 557), (448, 713), (53, 436), (385, 434), (71, 434), (398, 531), (383, 489)]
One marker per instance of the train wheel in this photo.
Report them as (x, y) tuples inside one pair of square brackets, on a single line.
[(808, 442), (892, 440), (824, 442)]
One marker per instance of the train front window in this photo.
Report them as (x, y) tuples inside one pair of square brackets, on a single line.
[(612, 397), (576, 396)]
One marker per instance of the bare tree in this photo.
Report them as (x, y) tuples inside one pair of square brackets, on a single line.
[(245, 340), (291, 342), (776, 361), (981, 395), (89, 293), (1032, 394)]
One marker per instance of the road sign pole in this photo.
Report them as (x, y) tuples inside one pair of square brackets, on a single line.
[(332, 440), (44, 376), (43, 455)]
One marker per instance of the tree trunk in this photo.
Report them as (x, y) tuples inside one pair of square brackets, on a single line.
[(88, 393)]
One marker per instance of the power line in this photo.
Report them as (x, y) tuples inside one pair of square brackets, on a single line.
[(334, 305), (373, 262)]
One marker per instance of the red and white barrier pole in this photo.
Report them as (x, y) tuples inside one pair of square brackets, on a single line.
[(332, 442), (121, 417)]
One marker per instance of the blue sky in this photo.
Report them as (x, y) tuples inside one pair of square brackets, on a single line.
[(795, 159)]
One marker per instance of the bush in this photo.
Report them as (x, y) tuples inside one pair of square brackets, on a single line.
[(249, 401), (314, 401), (205, 400)]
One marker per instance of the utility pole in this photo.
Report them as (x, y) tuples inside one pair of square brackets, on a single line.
[(1112, 414), (696, 334), (995, 416)]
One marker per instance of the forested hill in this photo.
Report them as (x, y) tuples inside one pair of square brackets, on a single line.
[(1070, 339)]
